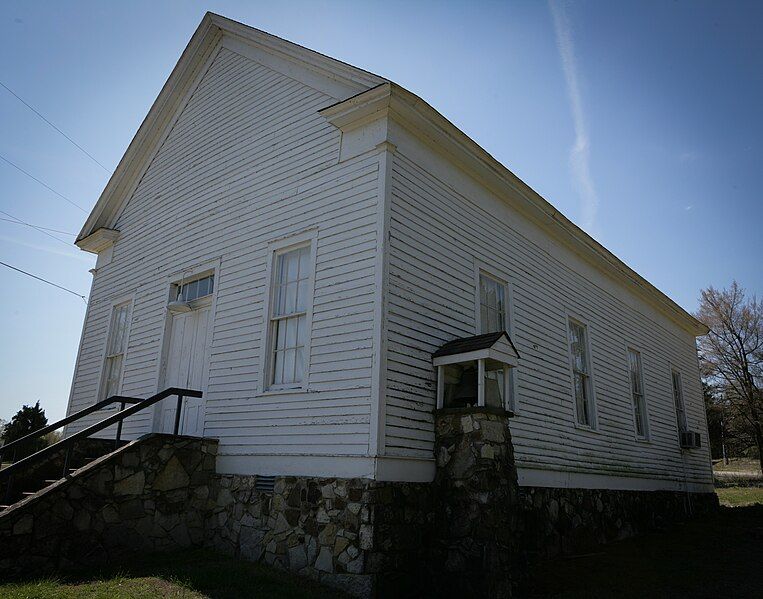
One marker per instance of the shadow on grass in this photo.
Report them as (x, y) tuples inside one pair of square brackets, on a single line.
[(718, 556), (191, 573)]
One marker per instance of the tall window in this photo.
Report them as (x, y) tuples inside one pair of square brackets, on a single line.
[(637, 393), (492, 305), (581, 373), (493, 312), (116, 347), (288, 316), (678, 397)]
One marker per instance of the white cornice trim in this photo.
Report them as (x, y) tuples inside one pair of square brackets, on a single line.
[(204, 42), (363, 108), (149, 133), (430, 127), (99, 240), (322, 64)]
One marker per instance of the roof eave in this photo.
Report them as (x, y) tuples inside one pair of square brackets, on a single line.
[(428, 125), (203, 42)]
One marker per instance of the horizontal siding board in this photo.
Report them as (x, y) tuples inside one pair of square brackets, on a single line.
[(436, 236), (249, 160)]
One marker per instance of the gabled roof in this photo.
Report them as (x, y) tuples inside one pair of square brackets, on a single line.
[(494, 348), (442, 136), (370, 93), (470, 344), (183, 78)]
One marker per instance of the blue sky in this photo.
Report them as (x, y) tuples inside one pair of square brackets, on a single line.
[(640, 121)]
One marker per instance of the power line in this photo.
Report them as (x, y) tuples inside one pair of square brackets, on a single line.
[(42, 230), (45, 185), (29, 274), (20, 222), (83, 150)]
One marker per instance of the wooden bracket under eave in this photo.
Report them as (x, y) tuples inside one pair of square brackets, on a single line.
[(99, 240)]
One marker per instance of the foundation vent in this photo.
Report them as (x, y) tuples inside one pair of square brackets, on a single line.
[(264, 484)]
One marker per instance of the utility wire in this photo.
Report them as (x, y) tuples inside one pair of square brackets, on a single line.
[(4, 159), (30, 107), (17, 221), (42, 230), (29, 274)]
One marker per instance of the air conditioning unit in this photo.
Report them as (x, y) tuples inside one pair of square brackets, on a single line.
[(690, 440)]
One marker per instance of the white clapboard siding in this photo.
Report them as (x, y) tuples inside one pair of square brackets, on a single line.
[(437, 236), (249, 160)]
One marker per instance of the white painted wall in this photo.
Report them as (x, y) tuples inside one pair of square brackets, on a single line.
[(249, 160), (442, 225)]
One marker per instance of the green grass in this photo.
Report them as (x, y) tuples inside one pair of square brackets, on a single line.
[(115, 588), (740, 496), (719, 557), (737, 465), (182, 575)]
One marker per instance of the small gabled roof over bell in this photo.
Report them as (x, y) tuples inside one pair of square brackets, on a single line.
[(495, 346)]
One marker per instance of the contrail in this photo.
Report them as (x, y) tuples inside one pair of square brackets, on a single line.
[(44, 248), (580, 151)]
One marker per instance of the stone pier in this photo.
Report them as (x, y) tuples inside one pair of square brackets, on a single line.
[(476, 503)]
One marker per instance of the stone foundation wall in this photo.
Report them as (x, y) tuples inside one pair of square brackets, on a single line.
[(151, 494), (468, 533), (566, 521), (346, 533)]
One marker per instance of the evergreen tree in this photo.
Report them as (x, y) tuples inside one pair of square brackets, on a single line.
[(27, 420)]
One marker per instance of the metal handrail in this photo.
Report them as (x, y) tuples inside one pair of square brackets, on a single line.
[(64, 421), (68, 442)]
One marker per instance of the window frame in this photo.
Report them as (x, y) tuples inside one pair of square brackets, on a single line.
[(186, 281), (275, 249), (646, 437), (682, 423), (593, 424), (481, 269), (105, 356)]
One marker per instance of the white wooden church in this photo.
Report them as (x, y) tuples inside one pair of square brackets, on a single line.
[(330, 260)]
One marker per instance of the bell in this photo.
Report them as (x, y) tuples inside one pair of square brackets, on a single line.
[(465, 393)]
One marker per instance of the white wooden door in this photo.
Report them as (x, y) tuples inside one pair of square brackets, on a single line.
[(186, 367)]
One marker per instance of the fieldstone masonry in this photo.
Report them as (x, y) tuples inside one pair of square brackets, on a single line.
[(355, 534), (476, 503), (566, 521), (468, 533), (149, 495), (316, 527)]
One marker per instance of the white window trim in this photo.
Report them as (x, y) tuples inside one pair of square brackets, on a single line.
[(275, 248), (647, 437), (594, 425), (483, 269), (187, 279), (128, 300), (674, 369)]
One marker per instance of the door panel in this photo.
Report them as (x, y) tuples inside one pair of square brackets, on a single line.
[(186, 364)]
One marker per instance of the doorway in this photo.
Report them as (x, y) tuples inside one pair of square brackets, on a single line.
[(186, 358)]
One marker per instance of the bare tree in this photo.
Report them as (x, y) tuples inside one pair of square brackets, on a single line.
[(731, 354)]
